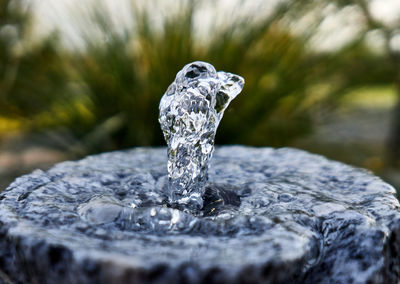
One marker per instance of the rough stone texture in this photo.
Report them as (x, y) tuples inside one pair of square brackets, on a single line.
[(270, 216)]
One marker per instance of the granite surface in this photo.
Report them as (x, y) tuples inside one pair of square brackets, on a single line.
[(269, 216)]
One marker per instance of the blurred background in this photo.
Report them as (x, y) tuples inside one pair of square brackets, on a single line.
[(83, 77)]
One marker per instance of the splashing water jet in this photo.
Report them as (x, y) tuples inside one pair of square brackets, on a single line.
[(190, 112)]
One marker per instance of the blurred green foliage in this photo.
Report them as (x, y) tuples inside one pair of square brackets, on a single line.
[(31, 75), (106, 96)]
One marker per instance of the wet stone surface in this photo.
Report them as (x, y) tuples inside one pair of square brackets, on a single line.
[(269, 216)]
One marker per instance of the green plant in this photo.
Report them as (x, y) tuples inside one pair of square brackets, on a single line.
[(126, 76), (107, 94)]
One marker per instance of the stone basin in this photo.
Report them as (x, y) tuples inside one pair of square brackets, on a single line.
[(269, 216)]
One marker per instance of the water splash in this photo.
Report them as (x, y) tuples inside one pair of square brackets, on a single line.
[(190, 112)]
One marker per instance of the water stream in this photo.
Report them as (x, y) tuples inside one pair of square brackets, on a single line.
[(190, 112)]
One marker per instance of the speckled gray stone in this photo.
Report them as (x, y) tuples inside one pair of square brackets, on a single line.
[(269, 216)]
